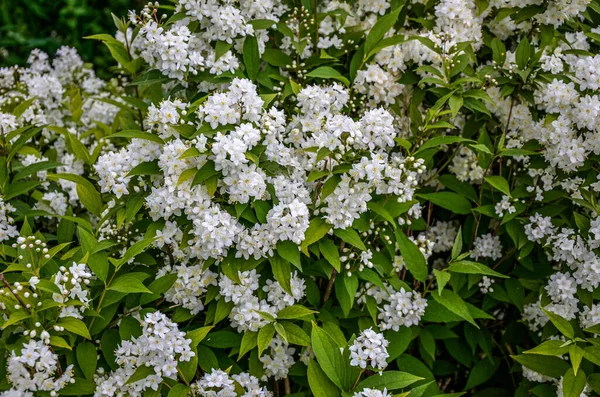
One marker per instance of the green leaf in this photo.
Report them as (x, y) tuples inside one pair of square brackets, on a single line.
[(451, 201), (35, 168), (499, 183), (554, 367), (87, 359), (265, 335), (391, 380), (129, 284), (522, 53), (561, 324), (455, 304), (81, 387), (481, 372), (289, 251), (249, 342), (319, 383), (137, 134), (328, 356), (88, 195), (295, 334), (350, 236), (282, 272), (572, 384), (469, 267), (413, 257), (327, 72), (251, 57), (179, 390), (198, 334), (75, 326), (294, 312), (549, 348), (331, 253), (140, 373), (442, 279), (317, 229), (345, 291), (17, 188), (15, 318), (381, 27)]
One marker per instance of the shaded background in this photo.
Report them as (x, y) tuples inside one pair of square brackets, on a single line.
[(49, 24)]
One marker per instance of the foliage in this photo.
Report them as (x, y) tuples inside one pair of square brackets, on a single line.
[(359, 199)]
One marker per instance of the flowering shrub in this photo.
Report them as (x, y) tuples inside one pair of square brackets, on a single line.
[(367, 198)]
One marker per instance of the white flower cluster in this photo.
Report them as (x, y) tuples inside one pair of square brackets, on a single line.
[(403, 309), (369, 349), (72, 284), (8, 229), (190, 286), (161, 346), (220, 384), (487, 246), (183, 47), (246, 312), (277, 359), (368, 392), (33, 369)]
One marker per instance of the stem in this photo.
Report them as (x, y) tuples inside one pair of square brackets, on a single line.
[(329, 286)]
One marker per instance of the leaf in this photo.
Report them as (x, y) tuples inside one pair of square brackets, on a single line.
[(317, 229), (413, 257), (381, 27), (549, 348), (265, 335), (294, 312), (572, 384), (251, 56), (442, 279), (289, 251), (81, 387), (327, 72), (87, 359), (481, 372), (75, 326), (88, 195), (140, 373), (197, 335), (249, 342), (57, 341), (350, 236), (451, 201), (179, 390), (137, 134), (17, 188), (499, 183), (35, 168), (345, 291), (554, 367), (282, 272), (295, 334), (469, 267), (331, 253), (328, 356), (391, 380), (522, 53), (455, 304), (129, 284), (561, 324), (319, 383), (16, 317)]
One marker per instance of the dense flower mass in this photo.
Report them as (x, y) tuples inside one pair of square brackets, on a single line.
[(357, 198)]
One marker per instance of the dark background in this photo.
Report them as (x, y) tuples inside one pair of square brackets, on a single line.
[(49, 24)]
